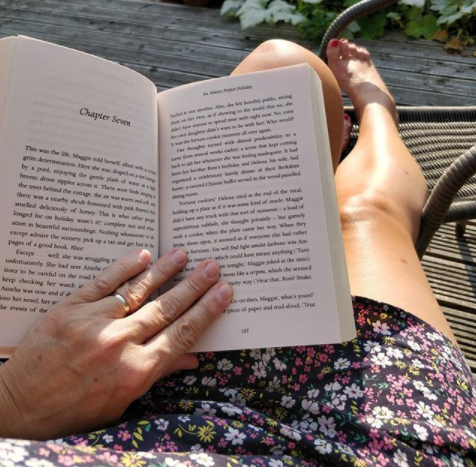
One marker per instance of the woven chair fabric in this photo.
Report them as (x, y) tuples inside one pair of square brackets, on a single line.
[(435, 143)]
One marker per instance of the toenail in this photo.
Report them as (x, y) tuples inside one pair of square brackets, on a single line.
[(346, 117), (334, 43)]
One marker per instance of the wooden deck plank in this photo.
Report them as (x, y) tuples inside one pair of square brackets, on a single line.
[(206, 21)]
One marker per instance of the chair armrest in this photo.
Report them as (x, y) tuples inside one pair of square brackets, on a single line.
[(439, 202)]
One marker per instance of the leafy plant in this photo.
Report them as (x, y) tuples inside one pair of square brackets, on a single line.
[(450, 21)]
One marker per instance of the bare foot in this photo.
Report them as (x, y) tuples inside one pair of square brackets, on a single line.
[(358, 77), (347, 130)]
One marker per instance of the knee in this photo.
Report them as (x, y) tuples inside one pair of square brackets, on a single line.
[(286, 52), (278, 53), (368, 209)]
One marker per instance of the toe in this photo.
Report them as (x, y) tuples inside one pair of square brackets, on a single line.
[(333, 50), (344, 49), (352, 50), (363, 54)]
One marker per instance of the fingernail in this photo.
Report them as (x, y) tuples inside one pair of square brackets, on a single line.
[(334, 43), (211, 271), (144, 256), (224, 293), (346, 117), (179, 256)]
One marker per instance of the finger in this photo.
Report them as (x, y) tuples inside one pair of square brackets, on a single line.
[(137, 289), (165, 349), (155, 316), (106, 282), (187, 361)]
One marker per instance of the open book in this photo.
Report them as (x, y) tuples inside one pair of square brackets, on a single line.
[(242, 173)]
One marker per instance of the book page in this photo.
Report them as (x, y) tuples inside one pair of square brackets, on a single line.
[(78, 145), (245, 181)]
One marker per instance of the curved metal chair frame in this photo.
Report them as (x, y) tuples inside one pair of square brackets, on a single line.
[(441, 139)]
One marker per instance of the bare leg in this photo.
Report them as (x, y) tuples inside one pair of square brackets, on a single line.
[(380, 188), (381, 193)]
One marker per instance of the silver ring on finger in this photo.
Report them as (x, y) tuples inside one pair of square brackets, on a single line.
[(119, 297)]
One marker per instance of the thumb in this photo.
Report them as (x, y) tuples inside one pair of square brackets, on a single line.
[(187, 361)]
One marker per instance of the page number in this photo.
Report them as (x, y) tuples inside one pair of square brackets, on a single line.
[(245, 331)]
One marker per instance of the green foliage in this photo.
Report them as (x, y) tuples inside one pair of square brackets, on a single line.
[(254, 12), (372, 26), (425, 28), (451, 21)]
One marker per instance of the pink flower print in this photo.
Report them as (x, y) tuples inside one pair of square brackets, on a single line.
[(383, 460), (222, 443), (345, 380), (237, 370), (240, 450), (387, 444), (124, 435), (302, 378), (108, 457), (44, 452), (65, 460), (56, 447), (118, 447)]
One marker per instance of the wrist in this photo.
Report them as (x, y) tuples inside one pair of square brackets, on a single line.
[(11, 417)]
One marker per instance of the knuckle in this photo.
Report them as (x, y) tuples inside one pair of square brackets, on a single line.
[(103, 284), (162, 269), (185, 334), (167, 308), (193, 286), (205, 310), (110, 340), (133, 292)]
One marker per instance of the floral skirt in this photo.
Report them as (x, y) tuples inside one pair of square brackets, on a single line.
[(399, 394)]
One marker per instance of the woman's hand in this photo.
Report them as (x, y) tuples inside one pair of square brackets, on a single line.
[(82, 365)]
